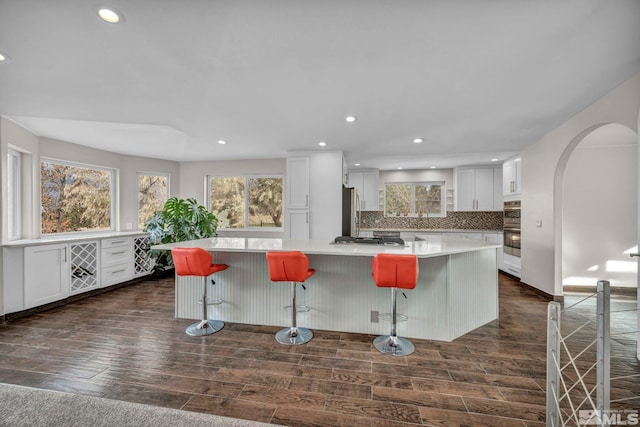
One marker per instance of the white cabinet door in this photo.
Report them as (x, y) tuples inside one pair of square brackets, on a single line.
[(484, 189), (496, 238), (46, 274), (298, 224), (297, 183), (477, 189), (366, 183), (511, 171)]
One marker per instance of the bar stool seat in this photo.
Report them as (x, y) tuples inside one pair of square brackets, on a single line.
[(198, 262), (291, 266), (395, 272)]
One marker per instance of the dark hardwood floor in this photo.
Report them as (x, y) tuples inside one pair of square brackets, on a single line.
[(126, 345)]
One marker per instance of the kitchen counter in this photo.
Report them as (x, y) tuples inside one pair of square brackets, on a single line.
[(73, 237), (457, 287), (433, 230)]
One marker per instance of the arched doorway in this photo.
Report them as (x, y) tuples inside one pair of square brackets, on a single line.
[(599, 130)]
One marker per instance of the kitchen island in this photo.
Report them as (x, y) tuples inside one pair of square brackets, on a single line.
[(457, 288)]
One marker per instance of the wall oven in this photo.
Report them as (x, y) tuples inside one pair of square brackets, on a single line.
[(511, 230)]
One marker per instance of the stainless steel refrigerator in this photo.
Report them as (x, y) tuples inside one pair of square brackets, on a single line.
[(350, 212)]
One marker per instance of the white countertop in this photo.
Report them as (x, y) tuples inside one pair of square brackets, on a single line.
[(431, 246), (69, 238)]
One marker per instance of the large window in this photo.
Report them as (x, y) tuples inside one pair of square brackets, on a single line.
[(76, 197), (414, 199), (153, 191), (246, 201), (14, 190)]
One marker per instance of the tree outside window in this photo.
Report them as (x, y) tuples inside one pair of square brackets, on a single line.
[(246, 201), (153, 191), (415, 199), (75, 197)]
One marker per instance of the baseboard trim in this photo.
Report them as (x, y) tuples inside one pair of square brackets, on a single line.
[(617, 290)]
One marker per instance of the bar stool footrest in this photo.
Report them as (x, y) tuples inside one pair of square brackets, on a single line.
[(204, 327), (394, 346), (299, 308), (294, 336)]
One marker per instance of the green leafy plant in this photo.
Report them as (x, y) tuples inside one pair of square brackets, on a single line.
[(180, 220)]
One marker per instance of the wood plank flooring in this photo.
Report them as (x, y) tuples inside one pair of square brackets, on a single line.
[(126, 345)]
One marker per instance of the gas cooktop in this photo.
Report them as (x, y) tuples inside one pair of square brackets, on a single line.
[(348, 240)]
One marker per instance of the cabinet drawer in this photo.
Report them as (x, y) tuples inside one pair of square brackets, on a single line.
[(116, 274), (116, 256), (116, 242)]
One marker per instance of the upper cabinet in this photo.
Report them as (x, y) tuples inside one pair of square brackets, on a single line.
[(297, 183), (478, 189), (512, 177), (366, 183)]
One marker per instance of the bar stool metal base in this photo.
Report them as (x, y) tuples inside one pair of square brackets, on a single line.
[(294, 336), (204, 327), (394, 346)]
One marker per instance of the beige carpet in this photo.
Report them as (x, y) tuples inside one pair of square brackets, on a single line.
[(25, 406)]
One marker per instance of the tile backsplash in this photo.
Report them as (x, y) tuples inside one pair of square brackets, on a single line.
[(454, 220)]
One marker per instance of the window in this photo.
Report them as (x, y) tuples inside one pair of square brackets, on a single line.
[(76, 197), (246, 201), (14, 190), (153, 191), (414, 199)]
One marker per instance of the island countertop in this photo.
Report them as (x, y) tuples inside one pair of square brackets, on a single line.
[(431, 246)]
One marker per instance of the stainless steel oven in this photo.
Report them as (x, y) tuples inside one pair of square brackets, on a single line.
[(511, 230)]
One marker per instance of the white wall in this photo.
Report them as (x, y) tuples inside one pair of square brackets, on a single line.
[(542, 193), (600, 215)]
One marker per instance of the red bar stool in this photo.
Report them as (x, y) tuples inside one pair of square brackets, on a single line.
[(395, 272), (291, 267), (198, 262)]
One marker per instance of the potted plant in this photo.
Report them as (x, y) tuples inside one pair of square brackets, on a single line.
[(179, 220)]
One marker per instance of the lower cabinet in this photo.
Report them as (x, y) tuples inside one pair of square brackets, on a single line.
[(84, 267), (46, 274), (116, 258)]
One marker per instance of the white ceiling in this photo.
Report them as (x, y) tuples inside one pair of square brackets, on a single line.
[(476, 79)]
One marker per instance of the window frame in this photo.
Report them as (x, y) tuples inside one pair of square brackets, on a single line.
[(142, 173), (14, 195), (413, 214), (246, 178), (113, 190)]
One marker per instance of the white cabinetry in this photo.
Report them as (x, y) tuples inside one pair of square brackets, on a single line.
[(297, 203), (366, 182), (46, 274), (298, 224), (84, 267), (478, 189), (512, 177), (116, 260), (142, 262)]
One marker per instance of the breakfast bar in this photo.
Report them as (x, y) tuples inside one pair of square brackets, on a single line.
[(457, 288)]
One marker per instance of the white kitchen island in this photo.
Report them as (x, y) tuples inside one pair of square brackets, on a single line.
[(457, 288)]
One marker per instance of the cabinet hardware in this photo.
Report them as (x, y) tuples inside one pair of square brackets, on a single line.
[(65, 254), (306, 200), (632, 255), (118, 241), (118, 271), (117, 253)]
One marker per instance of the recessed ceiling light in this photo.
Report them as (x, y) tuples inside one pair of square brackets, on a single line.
[(399, 167), (356, 164), (322, 144), (222, 141), (350, 119), (109, 15), (417, 140), (3, 57), (432, 167), (494, 160)]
